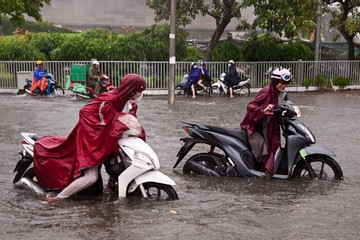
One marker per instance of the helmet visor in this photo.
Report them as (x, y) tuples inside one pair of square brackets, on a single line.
[(286, 77)]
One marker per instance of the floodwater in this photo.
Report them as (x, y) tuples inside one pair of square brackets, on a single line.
[(207, 208)]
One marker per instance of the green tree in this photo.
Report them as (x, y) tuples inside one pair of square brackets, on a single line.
[(285, 17), (222, 11), (263, 47), (192, 54), (226, 51), (346, 18), (295, 50), (17, 8)]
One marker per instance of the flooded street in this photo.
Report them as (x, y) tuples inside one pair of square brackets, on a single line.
[(208, 208)]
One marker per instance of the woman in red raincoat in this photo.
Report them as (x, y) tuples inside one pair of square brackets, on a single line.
[(262, 127), (72, 163)]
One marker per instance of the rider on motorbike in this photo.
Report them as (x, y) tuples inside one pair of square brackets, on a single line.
[(72, 163), (39, 79), (94, 77), (204, 77), (262, 127)]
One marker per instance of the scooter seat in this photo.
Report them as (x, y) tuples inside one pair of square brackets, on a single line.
[(240, 134)]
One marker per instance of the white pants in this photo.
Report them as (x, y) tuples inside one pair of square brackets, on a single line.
[(90, 177)]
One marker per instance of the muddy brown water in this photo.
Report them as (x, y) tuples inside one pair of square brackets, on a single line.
[(208, 208)]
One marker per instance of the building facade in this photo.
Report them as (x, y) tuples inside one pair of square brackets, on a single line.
[(115, 14)]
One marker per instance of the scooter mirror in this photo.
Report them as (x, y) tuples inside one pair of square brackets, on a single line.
[(285, 97)]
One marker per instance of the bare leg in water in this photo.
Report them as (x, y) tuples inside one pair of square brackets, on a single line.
[(90, 177)]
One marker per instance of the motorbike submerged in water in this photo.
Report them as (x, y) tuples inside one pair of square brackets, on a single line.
[(52, 89), (133, 171), (79, 90), (299, 158)]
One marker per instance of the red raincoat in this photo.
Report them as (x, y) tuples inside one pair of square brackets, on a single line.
[(255, 118), (58, 161)]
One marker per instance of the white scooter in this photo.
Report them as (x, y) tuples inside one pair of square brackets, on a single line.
[(135, 168), (220, 88)]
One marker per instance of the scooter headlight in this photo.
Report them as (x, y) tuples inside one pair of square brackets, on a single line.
[(307, 132), (297, 110), (146, 158)]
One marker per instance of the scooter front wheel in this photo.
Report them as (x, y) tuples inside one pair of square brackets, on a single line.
[(159, 191), (322, 168), (57, 91), (216, 91)]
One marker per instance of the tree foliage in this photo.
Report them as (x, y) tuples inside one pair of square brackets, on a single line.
[(222, 12), (345, 18), (16, 9), (285, 17)]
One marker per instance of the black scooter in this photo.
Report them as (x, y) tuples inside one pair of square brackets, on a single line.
[(300, 157)]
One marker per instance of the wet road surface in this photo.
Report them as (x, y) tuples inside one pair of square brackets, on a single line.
[(208, 208)]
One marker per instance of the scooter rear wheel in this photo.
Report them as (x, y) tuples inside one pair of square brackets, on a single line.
[(325, 168), (59, 91), (201, 164), (244, 91)]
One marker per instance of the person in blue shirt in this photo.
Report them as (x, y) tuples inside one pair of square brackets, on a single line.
[(39, 79)]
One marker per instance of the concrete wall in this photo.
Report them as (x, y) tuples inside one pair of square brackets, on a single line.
[(83, 14)]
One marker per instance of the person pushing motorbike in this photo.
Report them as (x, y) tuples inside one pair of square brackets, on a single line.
[(262, 127), (231, 77), (72, 163)]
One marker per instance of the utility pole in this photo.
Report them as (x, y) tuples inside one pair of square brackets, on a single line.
[(1, 27), (318, 34), (172, 59)]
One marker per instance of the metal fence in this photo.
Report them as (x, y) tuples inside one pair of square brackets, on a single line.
[(157, 75)]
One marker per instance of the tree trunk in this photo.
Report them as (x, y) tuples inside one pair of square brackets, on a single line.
[(220, 27), (351, 49), (348, 37)]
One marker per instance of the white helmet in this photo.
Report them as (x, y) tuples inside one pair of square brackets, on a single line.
[(95, 63), (282, 74)]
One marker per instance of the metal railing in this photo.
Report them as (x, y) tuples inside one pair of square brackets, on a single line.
[(157, 76)]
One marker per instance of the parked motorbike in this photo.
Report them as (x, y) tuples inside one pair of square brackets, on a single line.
[(299, 158), (52, 88), (134, 170), (88, 91), (221, 89), (179, 89)]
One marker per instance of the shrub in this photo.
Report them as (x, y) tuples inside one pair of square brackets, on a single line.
[(45, 42), (321, 81), (17, 49), (307, 82), (76, 47), (340, 81)]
